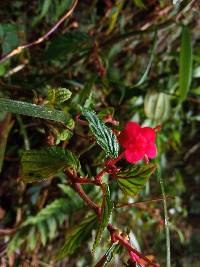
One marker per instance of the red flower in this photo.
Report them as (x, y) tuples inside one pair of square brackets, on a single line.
[(138, 142)]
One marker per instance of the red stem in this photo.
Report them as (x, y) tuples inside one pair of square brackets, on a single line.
[(113, 232), (85, 197), (126, 244), (78, 188), (85, 181)]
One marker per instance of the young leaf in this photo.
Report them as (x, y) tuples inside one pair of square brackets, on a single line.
[(132, 180), (77, 235), (58, 95), (25, 108), (106, 210), (38, 165), (185, 64), (104, 135)]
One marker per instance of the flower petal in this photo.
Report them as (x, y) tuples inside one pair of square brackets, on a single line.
[(149, 134), (134, 156), (152, 151), (132, 128), (131, 131)]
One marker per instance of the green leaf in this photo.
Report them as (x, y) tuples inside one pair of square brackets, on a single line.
[(152, 53), (132, 180), (60, 47), (139, 3), (5, 127), (43, 230), (185, 63), (52, 226), (9, 37), (38, 165), (17, 240), (46, 221), (77, 235), (58, 95), (106, 210), (104, 135), (32, 237), (61, 205), (24, 108)]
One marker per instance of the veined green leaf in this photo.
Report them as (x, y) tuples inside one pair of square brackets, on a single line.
[(38, 165), (25, 108), (104, 135), (132, 180), (77, 235), (185, 64), (106, 210), (58, 95)]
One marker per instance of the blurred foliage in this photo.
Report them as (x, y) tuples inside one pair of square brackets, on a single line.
[(136, 59)]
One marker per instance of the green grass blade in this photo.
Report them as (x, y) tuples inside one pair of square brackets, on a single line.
[(152, 53), (185, 63), (167, 232)]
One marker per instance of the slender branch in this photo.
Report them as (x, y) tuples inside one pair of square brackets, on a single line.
[(41, 39), (86, 198), (7, 231), (142, 202), (125, 36)]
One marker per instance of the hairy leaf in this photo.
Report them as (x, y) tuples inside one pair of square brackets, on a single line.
[(38, 165), (25, 108), (77, 235), (106, 210), (132, 180), (58, 95), (104, 135)]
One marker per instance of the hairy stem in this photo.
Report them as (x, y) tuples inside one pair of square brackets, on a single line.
[(115, 237), (19, 49)]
